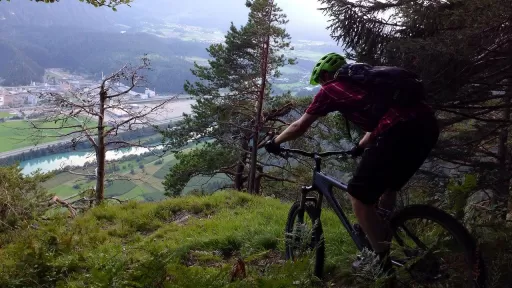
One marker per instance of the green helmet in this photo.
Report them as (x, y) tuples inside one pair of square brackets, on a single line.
[(330, 63)]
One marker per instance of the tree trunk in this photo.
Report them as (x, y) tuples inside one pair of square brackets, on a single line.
[(504, 175), (259, 104), (100, 172), (239, 176), (101, 151), (257, 181)]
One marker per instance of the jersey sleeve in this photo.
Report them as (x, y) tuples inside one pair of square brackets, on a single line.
[(336, 97), (321, 104)]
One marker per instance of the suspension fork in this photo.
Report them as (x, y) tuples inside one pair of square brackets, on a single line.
[(305, 190)]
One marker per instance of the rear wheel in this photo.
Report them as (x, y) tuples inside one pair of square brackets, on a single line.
[(442, 254), (304, 237)]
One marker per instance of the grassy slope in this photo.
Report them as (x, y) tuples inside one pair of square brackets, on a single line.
[(143, 245)]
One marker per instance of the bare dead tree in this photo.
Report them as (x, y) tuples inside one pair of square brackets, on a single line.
[(89, 115)]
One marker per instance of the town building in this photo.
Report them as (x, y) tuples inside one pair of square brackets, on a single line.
[(150, 93)]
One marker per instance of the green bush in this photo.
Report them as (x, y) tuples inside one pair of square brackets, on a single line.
[(21, 198)]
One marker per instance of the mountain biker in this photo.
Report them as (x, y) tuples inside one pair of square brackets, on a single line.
[(393, 148)]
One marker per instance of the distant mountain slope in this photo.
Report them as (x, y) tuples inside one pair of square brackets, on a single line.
[(65, 13), (31, 49), (79, 37), (16, 67)]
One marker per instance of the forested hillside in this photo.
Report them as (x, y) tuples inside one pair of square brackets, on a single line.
[(87, 51), (80, 38), (17, 66)]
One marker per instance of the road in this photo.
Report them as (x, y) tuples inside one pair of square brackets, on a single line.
[(63, 141), (157, 100)]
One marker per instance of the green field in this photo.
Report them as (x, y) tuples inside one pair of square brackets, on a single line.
[(164, 169), (5, 114), (119, 187), (59, 179), (20, 134), (63, 191), (201, 182)]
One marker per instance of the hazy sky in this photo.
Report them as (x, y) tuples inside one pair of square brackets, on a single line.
[(306, 22), (303, 14), (304, 11)]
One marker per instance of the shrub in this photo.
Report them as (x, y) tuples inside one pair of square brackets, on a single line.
[(20, 197)]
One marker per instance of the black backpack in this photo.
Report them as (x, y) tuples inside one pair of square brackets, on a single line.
[(386, 86)]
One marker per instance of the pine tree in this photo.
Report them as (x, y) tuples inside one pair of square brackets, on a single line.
[(230, 95), (463, 51)]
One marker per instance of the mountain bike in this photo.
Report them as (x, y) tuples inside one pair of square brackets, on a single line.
[(411, 257)]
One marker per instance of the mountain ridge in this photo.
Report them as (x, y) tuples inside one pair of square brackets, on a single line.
[(92, 40)]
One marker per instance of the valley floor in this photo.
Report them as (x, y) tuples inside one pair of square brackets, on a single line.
[(136, 180)]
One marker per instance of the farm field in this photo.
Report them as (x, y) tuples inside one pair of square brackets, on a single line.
[(141, 180), (19, 134), (5, 114)]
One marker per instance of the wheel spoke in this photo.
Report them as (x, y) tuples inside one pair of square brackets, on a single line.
[(426, 261)]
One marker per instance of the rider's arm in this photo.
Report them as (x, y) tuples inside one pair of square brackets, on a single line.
[(329, 98), (296, 129), (366, 139)]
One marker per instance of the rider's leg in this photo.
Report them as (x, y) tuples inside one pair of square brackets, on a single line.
[(388, 163), (388, 200), (375, 229)]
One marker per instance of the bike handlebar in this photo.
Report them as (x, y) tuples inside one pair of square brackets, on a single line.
[(313, 154)]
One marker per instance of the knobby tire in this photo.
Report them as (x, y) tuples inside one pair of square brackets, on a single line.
[(317, 240), (475, 266)]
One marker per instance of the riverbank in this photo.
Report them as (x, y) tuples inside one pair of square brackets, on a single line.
[(147, 136), (18, 137), (136, 174)]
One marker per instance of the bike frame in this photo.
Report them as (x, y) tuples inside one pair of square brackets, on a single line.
[(323, 184)]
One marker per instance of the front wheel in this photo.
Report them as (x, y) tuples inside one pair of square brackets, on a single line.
[(304, 236), (441, 255)]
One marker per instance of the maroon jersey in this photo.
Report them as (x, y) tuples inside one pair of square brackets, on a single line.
[(349, 100)]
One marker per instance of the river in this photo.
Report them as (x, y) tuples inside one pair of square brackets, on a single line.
[(56, 161), (53, 162)]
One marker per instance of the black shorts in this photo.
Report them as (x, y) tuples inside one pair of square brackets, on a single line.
[(393, 158)]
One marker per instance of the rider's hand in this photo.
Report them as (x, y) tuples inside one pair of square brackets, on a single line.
[(357, 151), (272, 147)]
